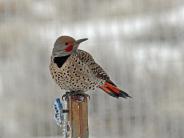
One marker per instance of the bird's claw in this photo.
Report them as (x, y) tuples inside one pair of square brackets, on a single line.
[(66, 96), (76, 95), (80, 96)]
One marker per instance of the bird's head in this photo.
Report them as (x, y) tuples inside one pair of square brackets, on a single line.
[(66, 45)]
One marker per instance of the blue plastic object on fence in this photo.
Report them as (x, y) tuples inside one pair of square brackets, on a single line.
[(58, 116)]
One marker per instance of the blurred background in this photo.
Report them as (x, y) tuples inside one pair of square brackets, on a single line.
[(140, 43)]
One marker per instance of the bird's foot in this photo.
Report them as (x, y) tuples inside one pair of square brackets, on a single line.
[(66, 96), (77, 95)]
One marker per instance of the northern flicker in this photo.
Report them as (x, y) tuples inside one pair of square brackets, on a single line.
[(75, 70)]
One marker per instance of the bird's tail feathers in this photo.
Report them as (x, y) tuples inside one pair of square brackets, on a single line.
[(114, 90)]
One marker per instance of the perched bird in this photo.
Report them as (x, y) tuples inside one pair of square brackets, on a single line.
[(75, 70)]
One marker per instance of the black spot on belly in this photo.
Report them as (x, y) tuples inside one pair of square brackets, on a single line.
[(60, 60)]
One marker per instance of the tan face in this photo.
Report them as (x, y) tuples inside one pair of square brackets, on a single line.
[(66, 42), (65, 45)]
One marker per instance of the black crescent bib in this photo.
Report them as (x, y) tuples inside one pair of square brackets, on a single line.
[(60, 60)]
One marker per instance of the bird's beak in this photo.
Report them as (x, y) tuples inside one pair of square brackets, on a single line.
[(81, 40)]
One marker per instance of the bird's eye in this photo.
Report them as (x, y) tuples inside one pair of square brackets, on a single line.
[(66, 43)]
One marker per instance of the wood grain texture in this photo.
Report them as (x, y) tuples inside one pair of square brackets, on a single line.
[(78, 117)]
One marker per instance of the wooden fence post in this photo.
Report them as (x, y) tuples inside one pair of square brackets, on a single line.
[(78, 116)]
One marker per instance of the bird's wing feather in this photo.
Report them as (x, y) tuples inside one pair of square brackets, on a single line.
[(96, 69)]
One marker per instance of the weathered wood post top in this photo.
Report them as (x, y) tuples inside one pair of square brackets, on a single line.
[(78, 116)]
